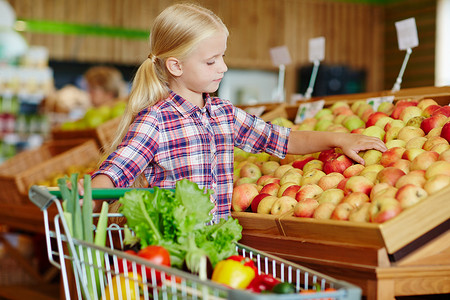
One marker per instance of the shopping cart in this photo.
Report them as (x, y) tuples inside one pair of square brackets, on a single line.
[(144, 280)]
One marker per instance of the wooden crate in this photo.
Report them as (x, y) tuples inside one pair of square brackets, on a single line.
[(393, 235), (258, 223), (29, 167), (103, 134)]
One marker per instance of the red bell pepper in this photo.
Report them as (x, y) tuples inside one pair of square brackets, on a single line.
[(262, 282)]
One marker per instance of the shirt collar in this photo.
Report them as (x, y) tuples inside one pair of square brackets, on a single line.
[(185, 107)]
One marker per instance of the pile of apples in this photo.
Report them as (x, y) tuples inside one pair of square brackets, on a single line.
[(329, 185)]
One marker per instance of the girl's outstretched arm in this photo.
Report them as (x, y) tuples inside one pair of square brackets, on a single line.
[(303, 142)]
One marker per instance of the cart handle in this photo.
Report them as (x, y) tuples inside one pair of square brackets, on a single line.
[(101, 193), (41, 197)]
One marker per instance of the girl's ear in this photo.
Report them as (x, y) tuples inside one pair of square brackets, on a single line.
[(174, 66)]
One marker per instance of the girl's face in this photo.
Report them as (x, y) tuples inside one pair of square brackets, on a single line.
[(204, 68)]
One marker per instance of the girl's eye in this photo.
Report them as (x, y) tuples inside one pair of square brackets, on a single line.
[(209, 63)]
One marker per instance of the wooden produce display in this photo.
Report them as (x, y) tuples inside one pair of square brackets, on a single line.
[(102, 134), (34, 166), (406, 255)]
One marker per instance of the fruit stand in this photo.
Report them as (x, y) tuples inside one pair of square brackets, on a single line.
[(406, 255)]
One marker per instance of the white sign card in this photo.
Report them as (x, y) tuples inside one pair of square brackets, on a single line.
[(376, 101), (256, 110), (308, 110), (407, 34), (280, 56), (317, 49)]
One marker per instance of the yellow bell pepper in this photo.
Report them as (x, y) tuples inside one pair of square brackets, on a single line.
[(125, 284), (233, 274)]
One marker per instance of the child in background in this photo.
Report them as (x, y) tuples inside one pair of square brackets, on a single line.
[(105, 85), (173, 129)]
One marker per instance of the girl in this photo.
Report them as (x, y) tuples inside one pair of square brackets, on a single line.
[(172, 129)]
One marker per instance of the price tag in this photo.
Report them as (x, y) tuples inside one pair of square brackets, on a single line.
[(308, 110), (256, 110), (280, 56), (407, 34), (317, 49), (376, 101)]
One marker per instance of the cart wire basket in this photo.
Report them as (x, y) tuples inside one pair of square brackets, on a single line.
[(92, 272)]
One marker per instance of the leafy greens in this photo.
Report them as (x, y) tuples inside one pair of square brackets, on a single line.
[(173, 219)]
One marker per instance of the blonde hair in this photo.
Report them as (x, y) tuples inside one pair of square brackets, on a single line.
[(176, 31)]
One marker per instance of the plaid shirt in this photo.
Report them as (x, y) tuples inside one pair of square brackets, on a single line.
[(175, 139)]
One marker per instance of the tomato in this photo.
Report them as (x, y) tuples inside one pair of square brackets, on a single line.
[(128, 267), (157, 255)]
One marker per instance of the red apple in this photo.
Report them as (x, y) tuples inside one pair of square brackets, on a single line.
[(308, 191), (305, 208), (242, 196), (445, 132), (400, 106), (384, 209), (291, 190), (353, 170), (270, 188), (437, 120), (444, 110), (402, 164), (327, 155), (300, 163), (358, 184), (358, 130), (330, 180), (410, 194), (266, 179), (338, 164), (256, 200), (342, 183), (374, 117), (391, 155), (429, 110), (390, 175)]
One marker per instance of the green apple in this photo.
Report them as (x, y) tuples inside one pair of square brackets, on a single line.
[(374, 131), (353, 122), (322, 125), (323, 112)]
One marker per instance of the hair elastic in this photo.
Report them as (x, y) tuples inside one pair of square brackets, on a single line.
[(152, 57)]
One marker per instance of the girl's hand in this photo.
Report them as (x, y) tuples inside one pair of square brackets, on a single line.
[(351, 144)]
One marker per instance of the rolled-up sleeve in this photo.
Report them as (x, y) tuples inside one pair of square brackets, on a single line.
[(253, 134)]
